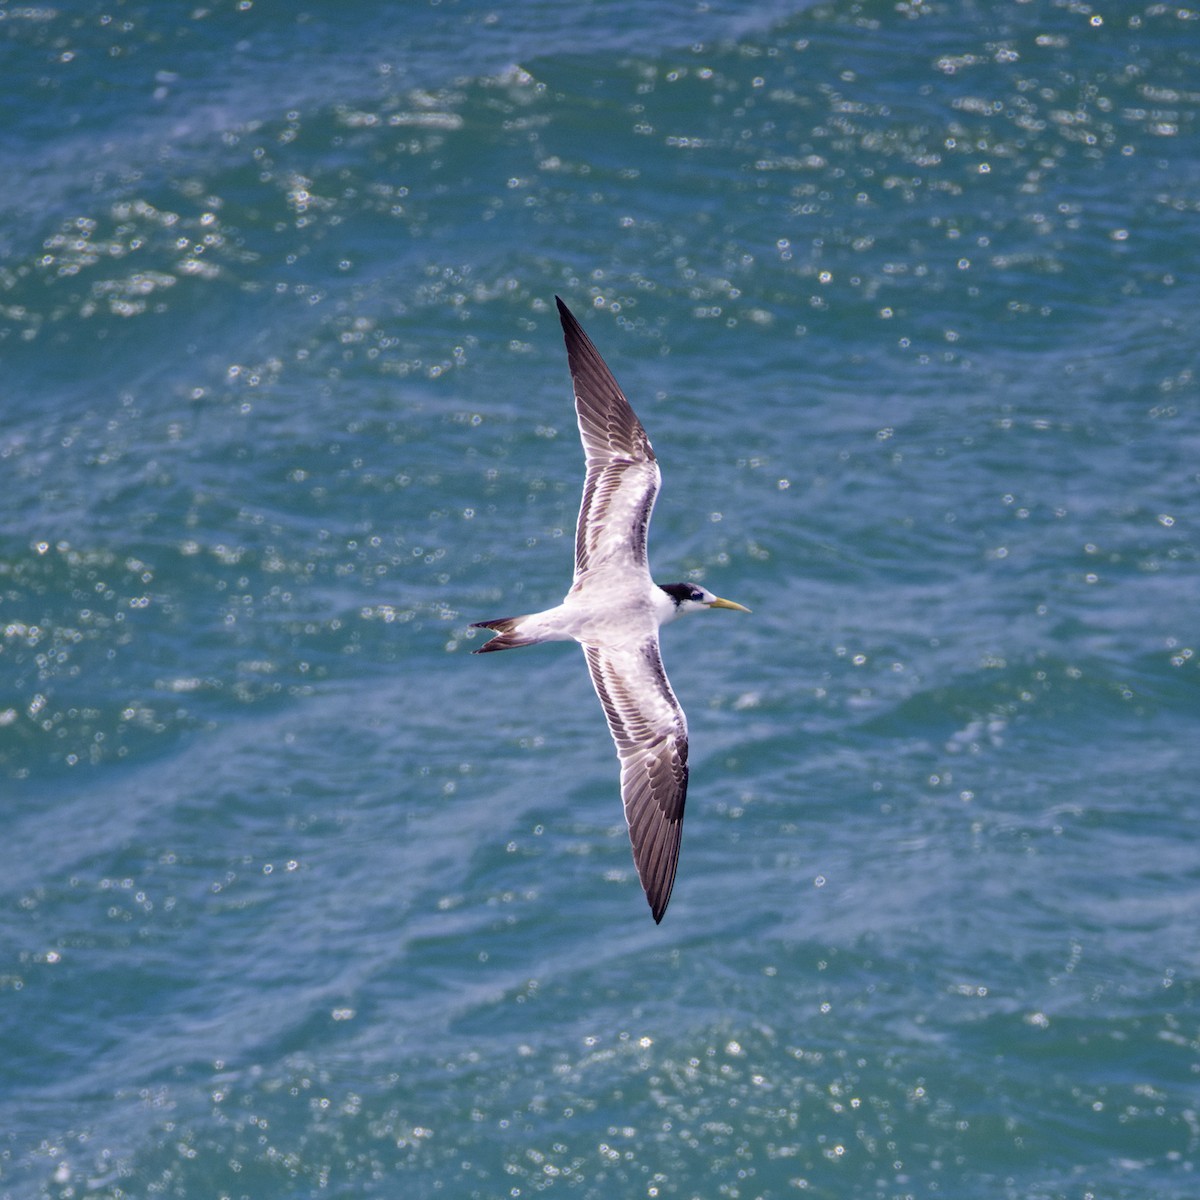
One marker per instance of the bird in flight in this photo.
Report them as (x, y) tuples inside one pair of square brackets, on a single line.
[(614, 610)]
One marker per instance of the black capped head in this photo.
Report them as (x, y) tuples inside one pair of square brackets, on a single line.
[(691, 597), (679, 592)]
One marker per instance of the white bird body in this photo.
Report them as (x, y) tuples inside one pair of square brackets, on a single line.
[(615, 610), (605, 607)]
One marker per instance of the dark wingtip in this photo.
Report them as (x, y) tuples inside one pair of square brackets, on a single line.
[(569, 321), (658, 900)]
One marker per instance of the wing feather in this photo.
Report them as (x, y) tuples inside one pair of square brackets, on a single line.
[(650, 733), (622, 478)]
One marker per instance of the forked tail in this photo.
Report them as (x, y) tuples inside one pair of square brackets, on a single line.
[(508, 634)]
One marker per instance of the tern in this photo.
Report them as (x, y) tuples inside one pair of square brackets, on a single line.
[(614, 610)]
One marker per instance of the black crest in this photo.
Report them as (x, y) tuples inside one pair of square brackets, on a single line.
[(680, 592)]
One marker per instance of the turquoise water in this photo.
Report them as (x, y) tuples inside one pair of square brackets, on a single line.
[(302, 899)]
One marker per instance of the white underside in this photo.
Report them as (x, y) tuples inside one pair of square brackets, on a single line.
[(610, 607)]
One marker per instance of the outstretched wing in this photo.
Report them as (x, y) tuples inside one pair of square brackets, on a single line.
[(650, 732), (622, 475)]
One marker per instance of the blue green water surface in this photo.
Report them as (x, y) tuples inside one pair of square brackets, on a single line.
[(300, 899)]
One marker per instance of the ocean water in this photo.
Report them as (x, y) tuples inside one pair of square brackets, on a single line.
[(300, 898)]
